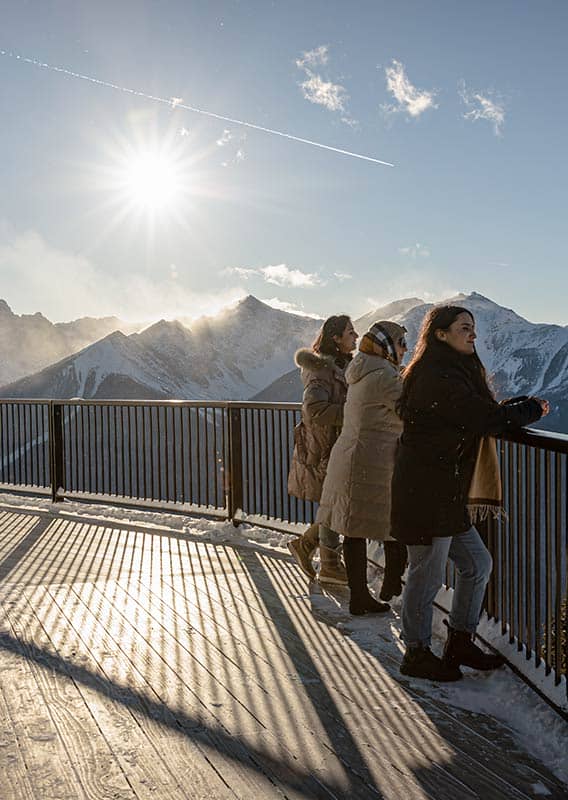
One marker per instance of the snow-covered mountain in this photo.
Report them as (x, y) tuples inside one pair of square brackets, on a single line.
[(246, 351), (521, 357), (30, 342), (229, 356)]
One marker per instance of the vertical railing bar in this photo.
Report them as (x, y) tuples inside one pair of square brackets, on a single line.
[(537, 554), (129, 449), (527, 461), (254, 488), (558, 570), (521, 533), (156, 494), (503, 545), (247, 466), (39, 443), (143, 433), (216, 460), (182, 452), (207, 454), (137, 451), (122, 452), (174, 455), (548, 562), (273, 482), (167, 450), (190, 462), (511, 541), (159, 451), (198, 449), (5, 450)]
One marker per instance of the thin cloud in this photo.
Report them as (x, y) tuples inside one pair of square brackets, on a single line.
[(415, 251), (342, 276), (291, 308), (225, 138), (314, 58), (242, 272), (330, 95), (281, 275), (482, 106), (321, 90), (409, 99)]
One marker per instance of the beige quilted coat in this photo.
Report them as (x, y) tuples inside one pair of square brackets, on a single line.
[(355, 499), (322, 415)]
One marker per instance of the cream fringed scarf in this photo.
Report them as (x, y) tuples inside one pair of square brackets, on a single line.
[(485, 493)]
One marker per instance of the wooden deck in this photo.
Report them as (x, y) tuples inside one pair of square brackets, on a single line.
[(138, 662)]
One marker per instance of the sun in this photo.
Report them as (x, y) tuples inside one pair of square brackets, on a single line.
[(151, 180)]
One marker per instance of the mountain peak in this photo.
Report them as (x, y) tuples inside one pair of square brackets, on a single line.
[(5, 308), (251, 303)]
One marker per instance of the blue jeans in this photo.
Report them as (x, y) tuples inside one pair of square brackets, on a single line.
[(426, 575)]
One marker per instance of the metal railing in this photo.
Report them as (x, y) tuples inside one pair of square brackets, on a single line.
[(234, 458)]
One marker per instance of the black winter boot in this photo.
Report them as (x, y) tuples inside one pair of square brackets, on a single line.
[(395, 564), (460, 649), (361, 600), (420, 662)]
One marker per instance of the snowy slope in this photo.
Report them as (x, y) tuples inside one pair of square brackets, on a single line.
[(30, 342), (230, 356)]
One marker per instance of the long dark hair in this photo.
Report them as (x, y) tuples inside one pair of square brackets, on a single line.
[(428, 344), (324, 342)]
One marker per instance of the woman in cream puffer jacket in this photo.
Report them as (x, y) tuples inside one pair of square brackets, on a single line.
[(355, 500)]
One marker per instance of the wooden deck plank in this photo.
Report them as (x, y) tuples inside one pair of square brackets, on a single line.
[(201, 692), (13, 769), (161, 758), (169, 667), (304, 718), (451, 725), (49, 769)]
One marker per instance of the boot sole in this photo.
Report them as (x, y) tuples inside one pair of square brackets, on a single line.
[(431, 677)]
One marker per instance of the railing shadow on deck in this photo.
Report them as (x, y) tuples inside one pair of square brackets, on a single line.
[(64, 577), (231, 459)]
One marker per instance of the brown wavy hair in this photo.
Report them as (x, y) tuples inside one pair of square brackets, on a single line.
[(324, 342), (440, 318)]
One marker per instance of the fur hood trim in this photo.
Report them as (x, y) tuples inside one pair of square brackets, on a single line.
[(306, 358)]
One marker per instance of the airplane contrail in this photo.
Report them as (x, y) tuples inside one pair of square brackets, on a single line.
[(176, 103)]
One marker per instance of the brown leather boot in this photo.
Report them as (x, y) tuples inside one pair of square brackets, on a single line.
[(331, 569), (303, 549)]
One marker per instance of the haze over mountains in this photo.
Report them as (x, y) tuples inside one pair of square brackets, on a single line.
[(245, 352)]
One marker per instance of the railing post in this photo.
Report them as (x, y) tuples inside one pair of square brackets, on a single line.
[(56, 462), (235, 482)]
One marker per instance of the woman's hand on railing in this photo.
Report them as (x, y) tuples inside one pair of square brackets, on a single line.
[(544, 404)]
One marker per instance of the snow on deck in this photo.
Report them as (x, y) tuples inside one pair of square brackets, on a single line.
[(145, 655)]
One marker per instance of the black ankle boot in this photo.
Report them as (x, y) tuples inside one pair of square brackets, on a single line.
[(460, 650), (395, 564), (420, 662), (361, 600)]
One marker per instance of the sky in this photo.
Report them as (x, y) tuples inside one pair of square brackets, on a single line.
[(130, 186)]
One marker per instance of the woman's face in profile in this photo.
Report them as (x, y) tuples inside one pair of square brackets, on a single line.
[(346, 342), (461, 334)]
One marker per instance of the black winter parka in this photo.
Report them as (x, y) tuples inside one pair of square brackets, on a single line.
[(446, 414)]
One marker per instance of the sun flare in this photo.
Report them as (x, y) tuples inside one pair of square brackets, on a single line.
[(151, 180)]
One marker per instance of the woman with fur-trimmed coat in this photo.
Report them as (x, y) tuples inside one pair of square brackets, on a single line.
[(323, 375), (355, 500)]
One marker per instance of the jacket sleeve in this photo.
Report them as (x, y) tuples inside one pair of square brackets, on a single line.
[(318, 407), (461, 406), (390, 389)]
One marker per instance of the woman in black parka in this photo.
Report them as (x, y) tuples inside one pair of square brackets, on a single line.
[(446, 407)]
